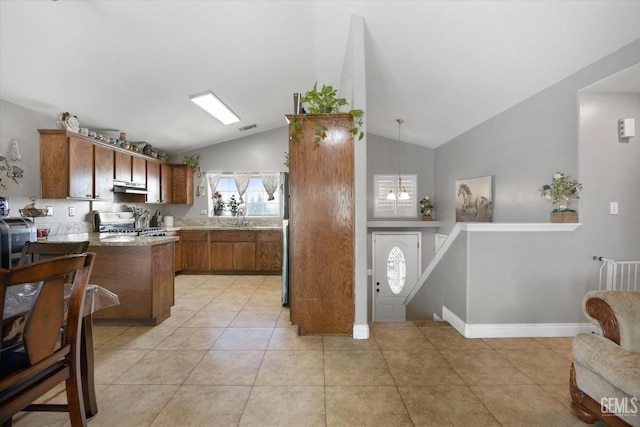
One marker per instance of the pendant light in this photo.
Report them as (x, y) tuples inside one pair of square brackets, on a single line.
[(402, 192)]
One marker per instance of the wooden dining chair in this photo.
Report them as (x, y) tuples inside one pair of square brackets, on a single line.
[(43, 361), (37, 251)]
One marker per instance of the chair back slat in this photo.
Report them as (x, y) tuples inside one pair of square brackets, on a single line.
[(42, 334), (37, 251)]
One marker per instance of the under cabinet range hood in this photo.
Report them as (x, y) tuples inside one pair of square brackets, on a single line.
[(126, 187)]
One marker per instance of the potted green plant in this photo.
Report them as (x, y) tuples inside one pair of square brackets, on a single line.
[(426, 208), (562, 191), (324, 102), (192, 161)]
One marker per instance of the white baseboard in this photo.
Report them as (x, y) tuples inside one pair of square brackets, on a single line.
[(436, 318), (360, 332), (516, 330)]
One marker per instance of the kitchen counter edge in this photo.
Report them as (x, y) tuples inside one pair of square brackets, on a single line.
[(104, 239)]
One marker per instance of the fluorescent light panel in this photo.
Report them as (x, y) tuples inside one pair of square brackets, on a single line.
[(212, 105)]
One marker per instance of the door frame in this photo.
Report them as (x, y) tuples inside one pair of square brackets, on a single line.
[(373, 261)]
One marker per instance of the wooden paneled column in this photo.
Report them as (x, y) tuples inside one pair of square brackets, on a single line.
[(322, 227)]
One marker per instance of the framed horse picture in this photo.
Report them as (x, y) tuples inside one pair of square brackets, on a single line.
[(474, 201)]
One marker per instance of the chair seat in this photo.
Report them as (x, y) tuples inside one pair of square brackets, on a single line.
[(19, 387)]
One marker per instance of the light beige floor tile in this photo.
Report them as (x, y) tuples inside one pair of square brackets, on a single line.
[(483, 367), (447, 338), (420, 367), (298, 367), (104, 332), (288, 339), (543, 366), (191, 339), (162, 367), (224, 305), (190, 303), (204, 406), (111, 364), (260, 303), (398, 338), (524, 405), (285, 406), (284, 319), (255, 319), (356, 367), (138, 338), (513, 343), (227, 368), (211, 318), (365, 405), (445, 405), (178, 318), (243, 339), (341, 342), (131, 405)]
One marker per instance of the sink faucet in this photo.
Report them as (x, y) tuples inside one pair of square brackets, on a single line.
[(241, 218)]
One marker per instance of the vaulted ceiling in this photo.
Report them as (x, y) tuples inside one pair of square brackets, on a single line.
[(442, 66)]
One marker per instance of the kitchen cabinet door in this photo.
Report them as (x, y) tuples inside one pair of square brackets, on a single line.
[(122, 166), (182, 182), (103, 173), (153, 182), (80, 168), (269, 251), (195, 250), (244, 256), (54, 164), (166, 183), (138, 169), (221, 254)]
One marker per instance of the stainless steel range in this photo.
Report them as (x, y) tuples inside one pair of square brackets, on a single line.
[(123, 223)]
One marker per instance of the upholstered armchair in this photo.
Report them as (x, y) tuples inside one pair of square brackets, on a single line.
[(605, 375)]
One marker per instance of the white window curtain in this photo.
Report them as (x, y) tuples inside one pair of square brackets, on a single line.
[(270, 181), (242, 182), (213, 178)]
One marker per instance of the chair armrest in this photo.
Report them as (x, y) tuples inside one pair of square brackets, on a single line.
[(618, 314)]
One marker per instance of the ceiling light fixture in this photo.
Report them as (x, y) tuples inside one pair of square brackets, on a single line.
[(212, 105), (402, 193)]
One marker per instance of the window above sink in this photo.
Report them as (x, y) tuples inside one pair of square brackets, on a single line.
[(255, 199)]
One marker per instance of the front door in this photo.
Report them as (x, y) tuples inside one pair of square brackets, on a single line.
[(396, 269)]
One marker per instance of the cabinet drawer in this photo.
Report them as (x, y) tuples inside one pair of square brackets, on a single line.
[(194, 235), (232, 236), (270, 236)]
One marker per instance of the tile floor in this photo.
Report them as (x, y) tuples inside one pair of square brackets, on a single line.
[(229, 356)]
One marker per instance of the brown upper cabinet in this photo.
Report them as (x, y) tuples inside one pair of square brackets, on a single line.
[(76, 167), (182, 182), (73, 167)]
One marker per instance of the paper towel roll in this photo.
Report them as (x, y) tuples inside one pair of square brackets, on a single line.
[(168, 221)]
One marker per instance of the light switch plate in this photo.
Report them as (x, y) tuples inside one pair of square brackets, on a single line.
[(613, 208)]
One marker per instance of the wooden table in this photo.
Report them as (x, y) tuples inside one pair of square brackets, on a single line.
[(18, 301)]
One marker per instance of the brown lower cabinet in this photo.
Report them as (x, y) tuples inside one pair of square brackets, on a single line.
[(231, 251)]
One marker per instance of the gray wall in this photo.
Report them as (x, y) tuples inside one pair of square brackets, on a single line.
[(261, 152), (521, 148), (22, 124)]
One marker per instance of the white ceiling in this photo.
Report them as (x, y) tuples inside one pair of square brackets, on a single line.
[(442, 66)]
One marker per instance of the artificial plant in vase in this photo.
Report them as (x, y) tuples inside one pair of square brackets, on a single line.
[(426, 209), (323, 102), (562, 192)]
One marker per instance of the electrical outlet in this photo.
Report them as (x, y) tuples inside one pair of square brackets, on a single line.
[(203, 211), (72, 211), (613, 208), (49, 210)]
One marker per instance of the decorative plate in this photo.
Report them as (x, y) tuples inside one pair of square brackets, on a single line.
[(73, 123)]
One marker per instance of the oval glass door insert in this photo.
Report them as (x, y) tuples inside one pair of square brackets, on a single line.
[(396, 270)]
